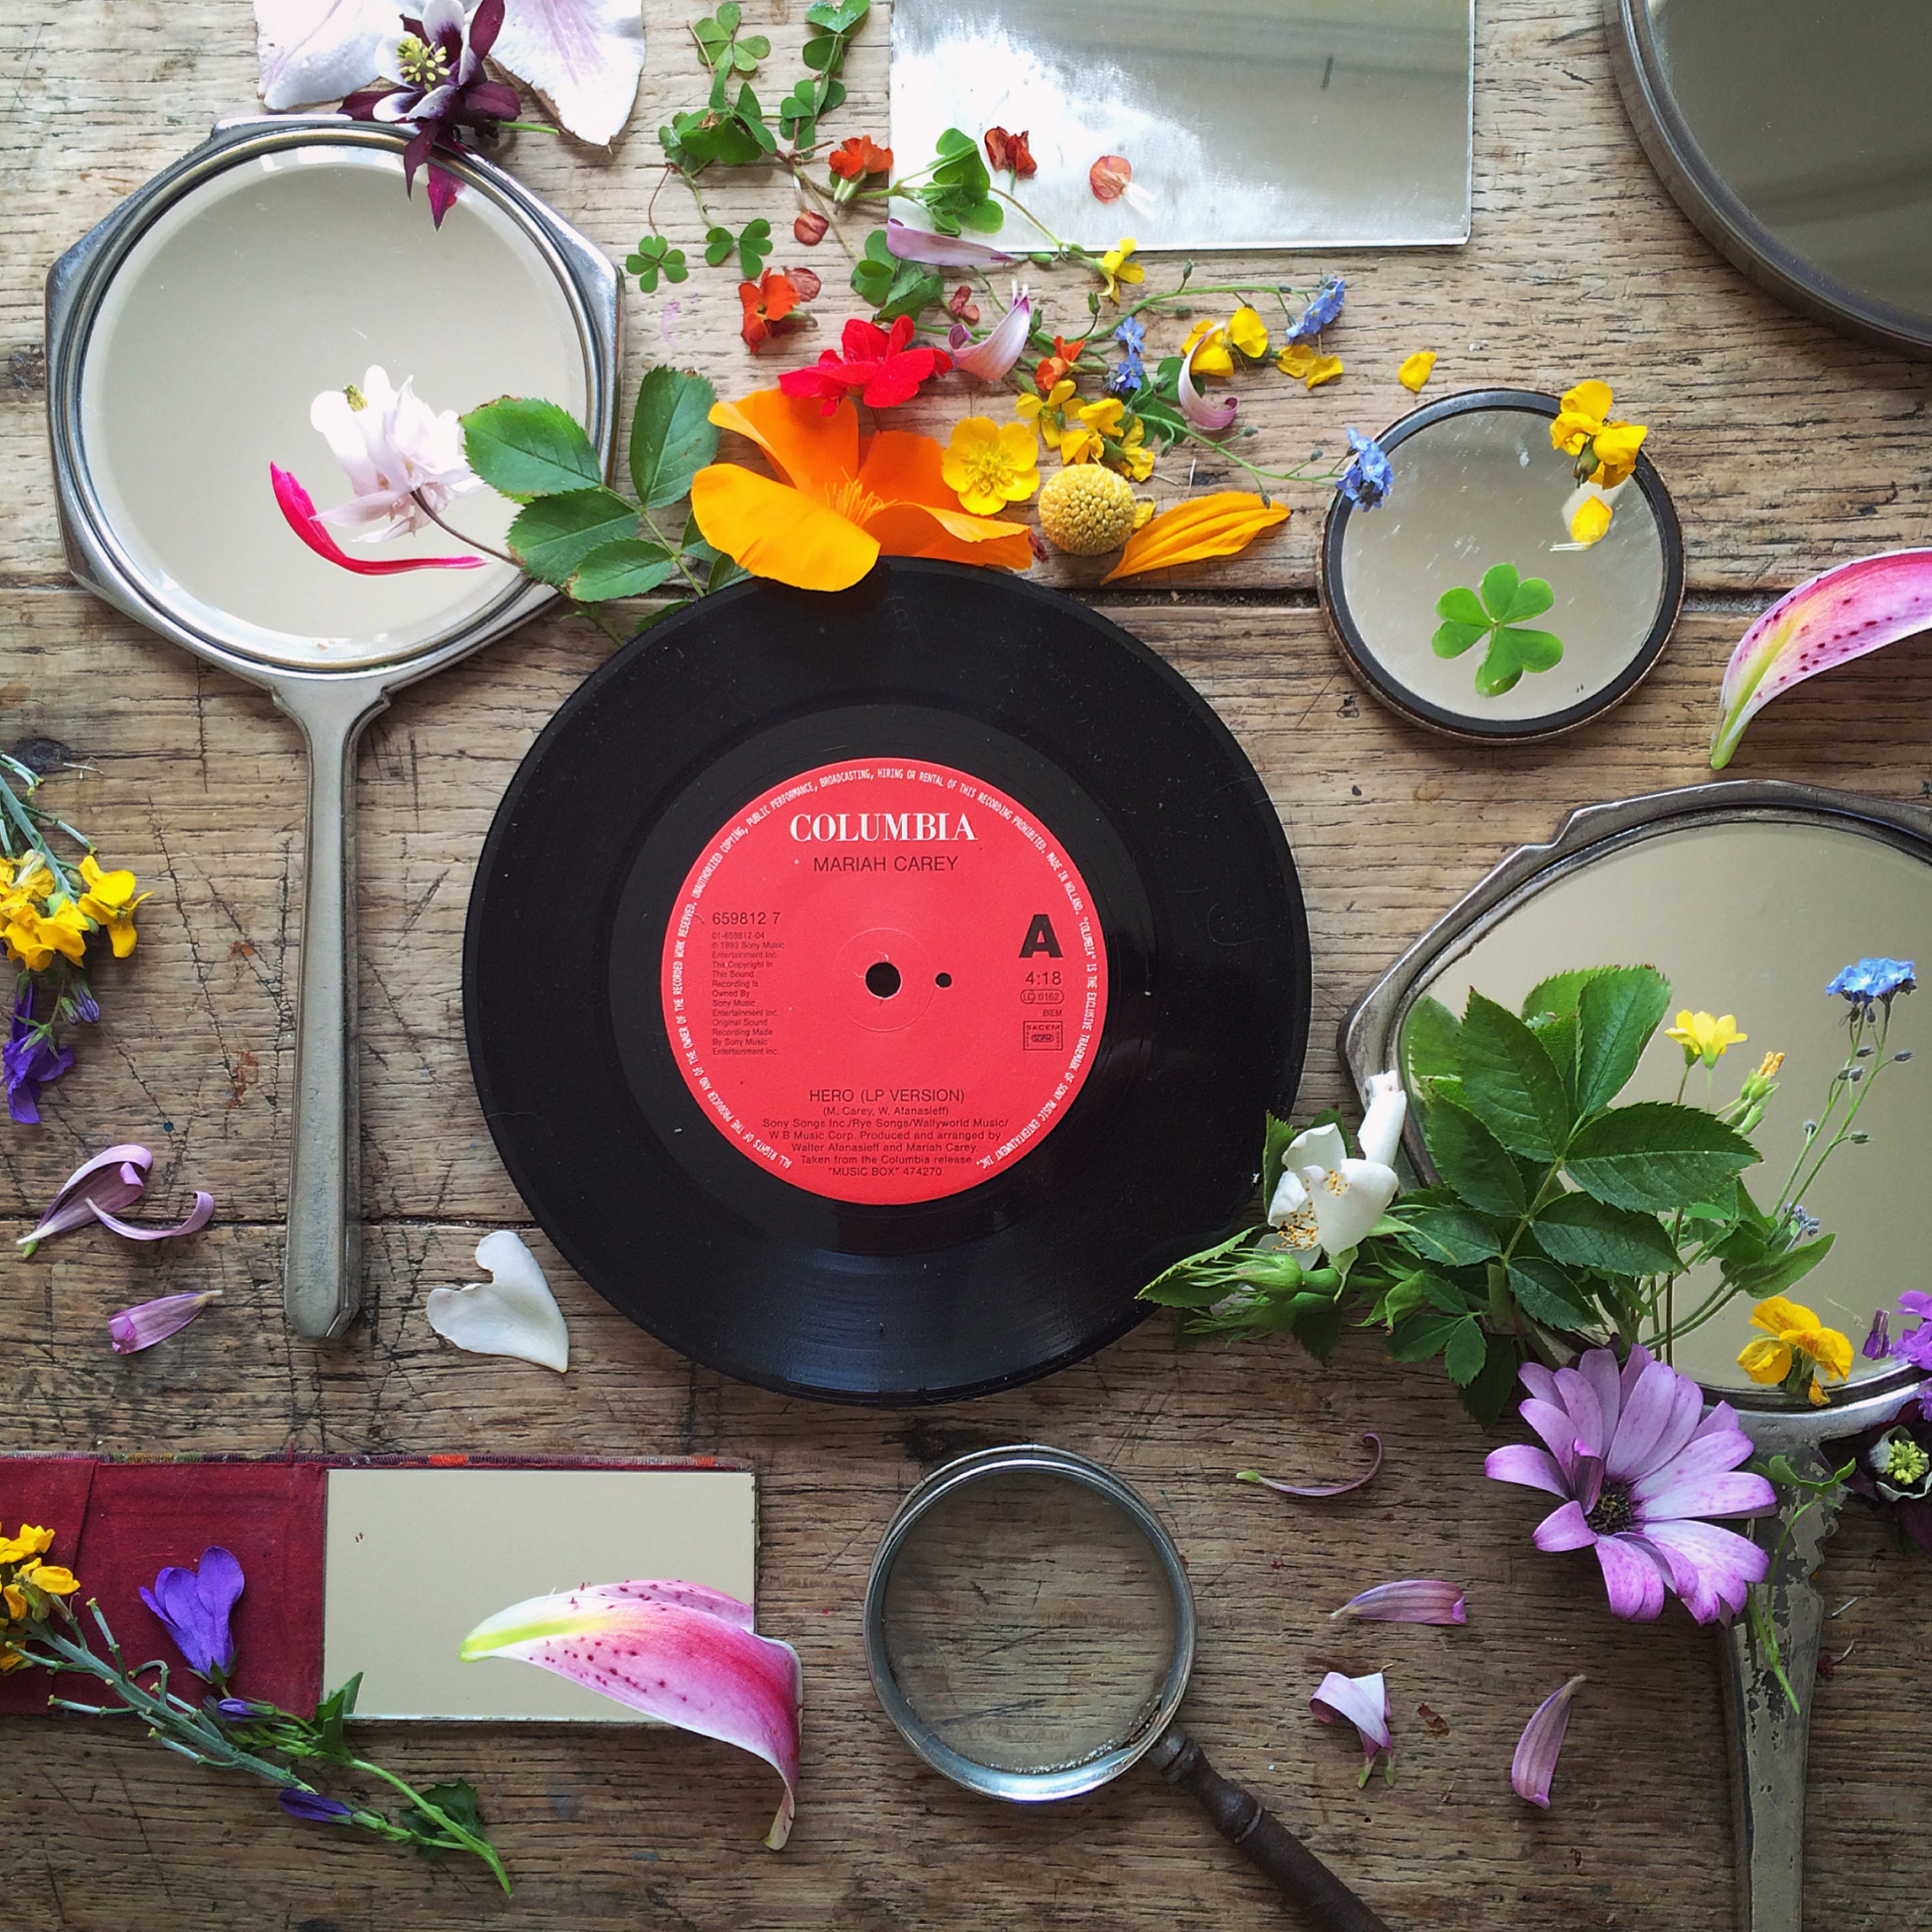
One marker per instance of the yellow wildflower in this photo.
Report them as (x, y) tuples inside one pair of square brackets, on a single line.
[(63, 927), (1616, 446), (1117, 266), (1582, 425), (1307, 362), (1249, 334), (1583, 411), (15, 1598), (1591, 519), (1416, 371), (991, 464), (1048, 413), (110, 900), (30, 1542), (55, 1579), (1105, 416), (1214, 359), (1706, 1038), (1800, 1348)]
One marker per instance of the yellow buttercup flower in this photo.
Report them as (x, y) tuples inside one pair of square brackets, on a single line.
[(1417, 369), (1214, 359), (1706, 1038), (1247, 332), (109, 901), (990, 464), (1117, 266), (1800, 1348), (1590, 522)]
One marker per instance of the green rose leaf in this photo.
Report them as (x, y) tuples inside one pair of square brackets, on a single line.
[(1465, 1351), (627, 567), (1509, 1080), (1457, 1237), (523, 448), (553, 535), (1472, 1160), (1431, 1042), (1548, 1294), (1417, 1337), (1589, 1234), (1656, 1156), (1617, 1014), (1558, 994), (672, 437)]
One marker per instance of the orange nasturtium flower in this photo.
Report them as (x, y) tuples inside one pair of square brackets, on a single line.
[(852, 160), (766, 303), (840, 500), (1216, 525)]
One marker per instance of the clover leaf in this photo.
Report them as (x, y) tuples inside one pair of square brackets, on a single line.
[(1497, 615), (654, 256), (753, 246)]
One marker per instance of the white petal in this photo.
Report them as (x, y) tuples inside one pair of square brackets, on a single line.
[(440, 17), (1316, 1147), (1382, 1125), (1349, 1201), (331, 414), (1290, 1197), (514, 1313), (583, 56), (311, 50)]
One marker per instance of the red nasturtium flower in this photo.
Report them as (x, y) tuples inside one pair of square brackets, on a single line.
[(852, 160), (1057, 365), (885, 370), (1010, 154), (1108, 177), (767, 301)]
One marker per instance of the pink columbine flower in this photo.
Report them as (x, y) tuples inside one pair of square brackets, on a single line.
[(1005, 342), (298, 510), (1363, 1702), (402, 458), (133, 1329), (1639, 1466), (1541, 1744), (1415, 1600)]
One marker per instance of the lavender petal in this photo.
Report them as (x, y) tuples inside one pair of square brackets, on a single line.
[(1414, 1600), (130, 1329), (1318, 1489), (1540, 1745)]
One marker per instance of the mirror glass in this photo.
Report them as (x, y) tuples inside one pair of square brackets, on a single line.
[(1813, 117), (1753, 917), (1476, 483), (1247, 123)]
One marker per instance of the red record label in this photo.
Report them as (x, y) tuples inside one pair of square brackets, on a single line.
[(884, 980)]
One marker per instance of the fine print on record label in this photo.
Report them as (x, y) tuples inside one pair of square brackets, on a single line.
[(884, 981)]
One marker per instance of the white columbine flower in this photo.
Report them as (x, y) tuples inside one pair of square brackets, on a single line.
[(391, 444), (1325, 1204)]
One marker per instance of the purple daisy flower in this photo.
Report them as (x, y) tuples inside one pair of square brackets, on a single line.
[(1639, 1467)]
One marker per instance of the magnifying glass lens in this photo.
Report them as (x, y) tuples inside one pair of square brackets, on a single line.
[(1029, 1624)]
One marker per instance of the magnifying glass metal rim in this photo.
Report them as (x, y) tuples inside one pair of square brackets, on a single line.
[(79, 281), (1028, 1787)]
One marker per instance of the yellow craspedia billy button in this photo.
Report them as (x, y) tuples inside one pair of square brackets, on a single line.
[(1087, 510)]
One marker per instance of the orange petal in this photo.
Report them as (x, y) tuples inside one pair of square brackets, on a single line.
[(817, 452), (918, 530), (1207, 526), (899, 467), (777, 531)]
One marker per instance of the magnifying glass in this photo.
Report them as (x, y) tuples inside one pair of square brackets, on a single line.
[(1030, 1629)]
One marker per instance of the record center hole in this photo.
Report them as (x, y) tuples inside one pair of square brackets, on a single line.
[(941, 979), (883, 979)]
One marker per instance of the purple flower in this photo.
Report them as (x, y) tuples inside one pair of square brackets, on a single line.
[(1878, 1337), (1415, 1601), (1534, 1764), (1363, 1702), (1638, 1471), (1367, 479), (1324, 306), (195, 1605), (240, 1708), (911, 244), (1914, 1344), (30, 1059), (314, 1806), (131, 1330), (1892, 1467), (1866, 980)]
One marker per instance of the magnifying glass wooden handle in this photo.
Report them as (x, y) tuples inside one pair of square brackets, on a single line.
[(1261, 1837)]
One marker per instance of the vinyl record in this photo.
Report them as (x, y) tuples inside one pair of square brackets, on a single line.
[(869, 993)]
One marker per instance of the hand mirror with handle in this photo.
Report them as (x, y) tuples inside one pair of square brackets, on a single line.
[(186, 337), (1029, 1628), (1749, 897)]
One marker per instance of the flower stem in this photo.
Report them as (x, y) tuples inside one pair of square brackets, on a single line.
[(468, 1839), (502, 556), (676, 552)]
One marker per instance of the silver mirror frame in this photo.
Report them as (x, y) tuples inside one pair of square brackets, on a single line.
[(1718, 214), (322, 1283)]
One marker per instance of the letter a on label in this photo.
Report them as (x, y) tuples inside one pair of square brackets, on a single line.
[(1040, 938)]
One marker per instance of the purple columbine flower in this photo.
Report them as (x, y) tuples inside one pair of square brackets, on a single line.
[(313, 1806), (1638, 1471), (195, 1605), (1324, 306), (1914, 1344), (30, 1060)]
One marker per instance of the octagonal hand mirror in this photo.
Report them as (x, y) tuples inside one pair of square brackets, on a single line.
[(186, 337), (1749, 897)]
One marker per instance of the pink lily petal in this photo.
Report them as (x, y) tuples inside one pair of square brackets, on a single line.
[(111, 1179), (1415, 1601), (677, 1652), (1318, 1489), (198, 1217), (1203, 414), (299, 512), (1633, 1578), (1711, 1567), (1533, 1467), (1360, 1701), (1540, 1744), (1832, 618), (133, 1329), (911, 244), (1564, 1529), (991, 359)]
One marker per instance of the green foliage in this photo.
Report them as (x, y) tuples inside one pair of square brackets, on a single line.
[(1498, 615), (956, 192), (625, 567), (654, 256), (553, 535), (1655, 1155), (672, 437), (525, 449), (893, 287), (820, 91), (754, 246)]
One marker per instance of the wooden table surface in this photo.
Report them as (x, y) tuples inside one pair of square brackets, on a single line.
[(1788, 449)]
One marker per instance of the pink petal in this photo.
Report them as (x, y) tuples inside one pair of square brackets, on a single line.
[(1558, 1428), (1360, 1701), (911, 244), (1829, 620), (113, 1179), (443, 190), (1647, 1411), (1564, 1529), (299, 512), (142, 1327), (1203, 414), (1318, 1489), (1706, 1455), (1533, 1467), (1540, 1383), (677, 1652), (583, 56), (1681, 1428), (1639, 1359), (1415, 1600), (312, 51), (1598, 1367), (198, 1217), (1586, 1413), (1710, 1567), (1737, 1493), (1633, 1578), (1588, 1476), (1540, 1745), (991, 359)]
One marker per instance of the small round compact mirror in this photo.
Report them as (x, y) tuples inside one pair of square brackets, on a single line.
[(1480, 600)]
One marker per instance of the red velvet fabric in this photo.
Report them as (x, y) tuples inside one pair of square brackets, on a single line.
[(117, 1524)]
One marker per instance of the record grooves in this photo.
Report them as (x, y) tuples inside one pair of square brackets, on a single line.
[(867, 994)]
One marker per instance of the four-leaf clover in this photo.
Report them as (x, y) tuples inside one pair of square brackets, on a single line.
[(1497, 615)]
